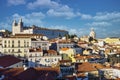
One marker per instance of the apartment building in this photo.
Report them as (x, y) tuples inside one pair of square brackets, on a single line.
[(17, 46)]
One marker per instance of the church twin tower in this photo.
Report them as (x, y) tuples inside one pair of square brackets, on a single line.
[(17, 27)]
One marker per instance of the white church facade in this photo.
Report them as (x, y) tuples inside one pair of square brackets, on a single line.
[(18, 28)]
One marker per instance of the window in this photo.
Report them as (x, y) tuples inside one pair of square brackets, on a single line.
[(60, 47), (35, 55), (55, 59), (18, 43), (12, 50), (5, 41), (24, 43), (19, 50), (8, 43), (27, 44), (45, 59), (25, 50), (44, 44), (12, 43), (44, 48), (30, 55), (9, 50), (5, 46), (5, 50)]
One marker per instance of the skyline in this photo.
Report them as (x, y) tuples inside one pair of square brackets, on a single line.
[(75, 16)]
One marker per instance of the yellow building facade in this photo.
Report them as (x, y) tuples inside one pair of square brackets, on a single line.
[(112, 40), (70, 52)]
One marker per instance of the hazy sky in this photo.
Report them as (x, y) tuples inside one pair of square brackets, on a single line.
[(76, 16)]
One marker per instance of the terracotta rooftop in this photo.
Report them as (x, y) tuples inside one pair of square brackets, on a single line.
[(51, 52), (64, 49), (81, 75), (65, 61), (35, 50), (87, 67), (53, 40), (6, 61), (80, 57), (86, 57), (70, 77), (98, 65)]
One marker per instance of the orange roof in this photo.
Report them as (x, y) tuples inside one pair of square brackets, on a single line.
[(51, 52), (87, 57), (70, 77), (80, 57), (64, 61), (81, 75), (98, 65), (87, 67), (64, 49), (35, 50)]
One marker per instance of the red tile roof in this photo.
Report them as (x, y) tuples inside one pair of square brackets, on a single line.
[(70, 77), (35, 50), (81, 75), (51, 52), (65, 61), (6, 61), (64, 49), (87, 67), (86, 57)]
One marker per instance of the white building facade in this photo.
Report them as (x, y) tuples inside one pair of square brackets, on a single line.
[(17, 46)]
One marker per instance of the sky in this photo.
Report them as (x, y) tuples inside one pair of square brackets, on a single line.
[(75, 16)]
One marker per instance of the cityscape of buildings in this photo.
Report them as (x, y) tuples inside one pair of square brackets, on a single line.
[(59, 39), (37, 53)]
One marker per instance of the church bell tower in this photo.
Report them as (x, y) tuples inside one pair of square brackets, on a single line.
[(17, 27)]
